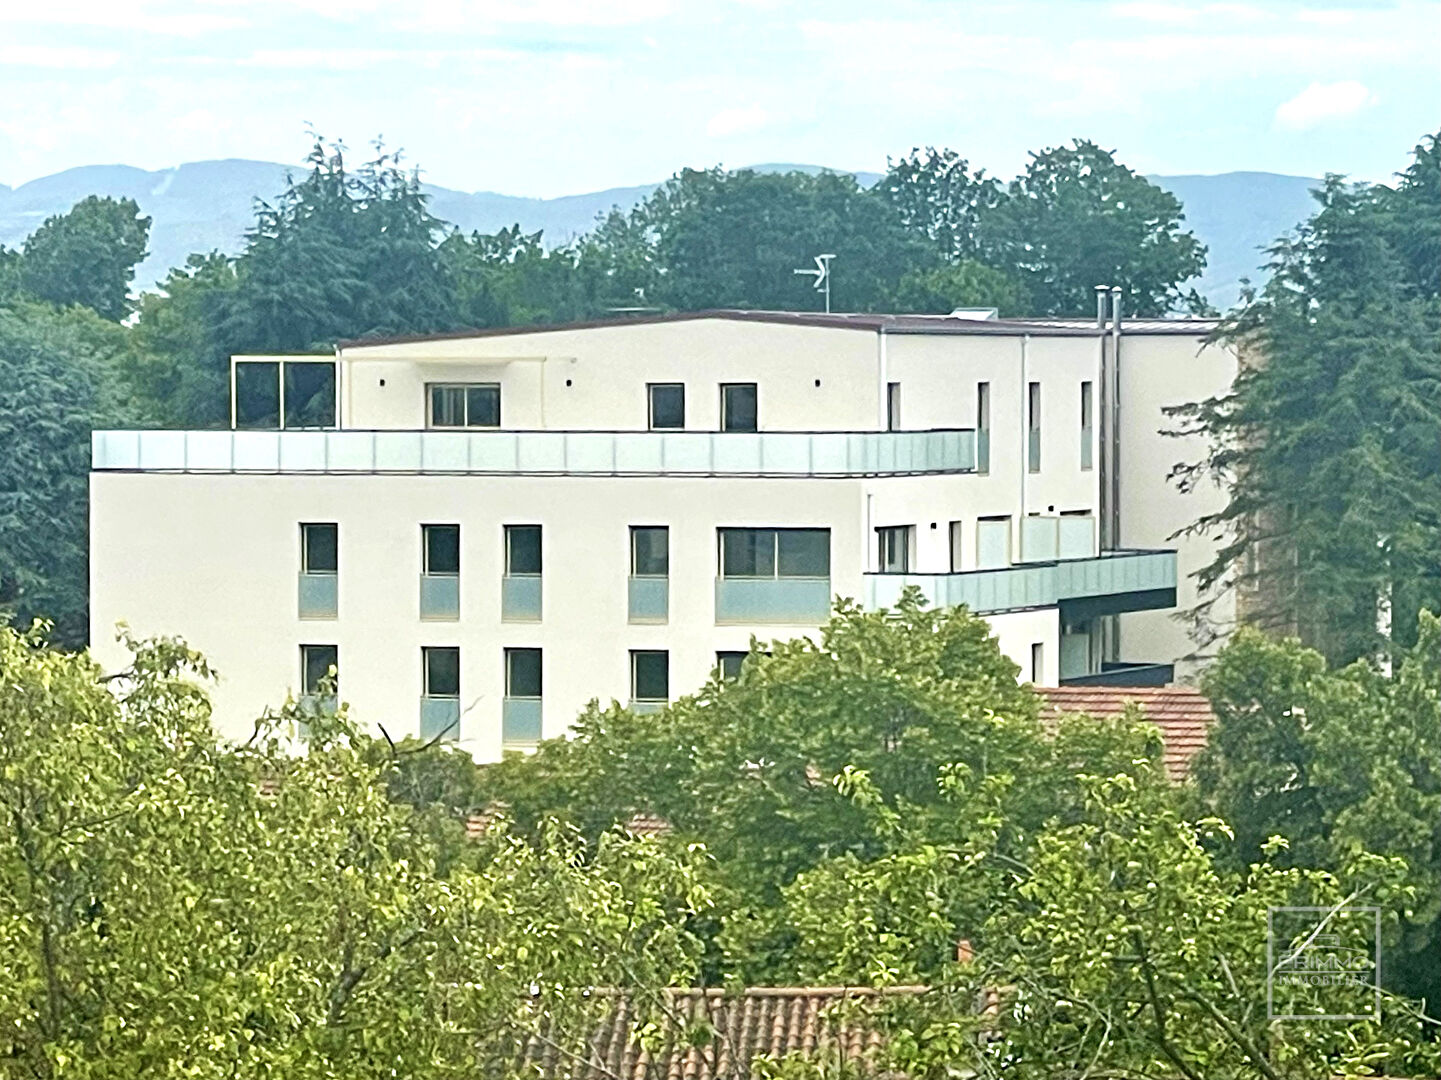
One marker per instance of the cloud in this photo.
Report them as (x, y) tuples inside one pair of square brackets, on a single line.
[(41, 56), (1320, 102), (736, 121)]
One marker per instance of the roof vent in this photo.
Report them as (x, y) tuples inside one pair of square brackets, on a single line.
[(976, 313)]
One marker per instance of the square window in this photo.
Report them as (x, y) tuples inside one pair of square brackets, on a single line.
[(738, 407), (667, 406), (319, 548), (442, 671), (522, 549), (650, 676), (729, 663), (803, 553), (894, 555), (317, 662), (649, 551), (522, 673), (482, 405), (442, 548)]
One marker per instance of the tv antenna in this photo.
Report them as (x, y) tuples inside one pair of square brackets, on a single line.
[(822, 274)]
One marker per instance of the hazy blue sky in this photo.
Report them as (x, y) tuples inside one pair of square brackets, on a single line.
[(546, 97)]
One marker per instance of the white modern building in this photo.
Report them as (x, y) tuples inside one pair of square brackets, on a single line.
[(481, 532)]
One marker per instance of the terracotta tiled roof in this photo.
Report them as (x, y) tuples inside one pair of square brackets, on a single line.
[(718, 1034), (1182, 713), (648, 825)]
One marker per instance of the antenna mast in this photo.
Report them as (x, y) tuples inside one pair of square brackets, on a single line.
[(822, 274)]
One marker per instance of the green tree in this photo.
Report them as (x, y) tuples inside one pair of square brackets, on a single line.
[(935, 193), (1338, 762), (57, 383), (1327, 440), (1078, 218), (964, 284), (509, 278), (87, 256)]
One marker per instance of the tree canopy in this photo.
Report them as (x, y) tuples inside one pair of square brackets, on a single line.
[(86, 256)]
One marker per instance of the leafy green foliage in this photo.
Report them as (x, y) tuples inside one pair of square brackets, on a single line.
[(935, 193), (1327, 440), (86, 256), (1341, 764)]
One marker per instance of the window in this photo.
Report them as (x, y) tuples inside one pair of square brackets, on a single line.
[(993, 542), (649, 551), (893, 406), (317, 664), (667, 406), (441, 545), (319, 548), (650, 675), (773, 553), (522, 673), (1038, 663), (1033, 428), (442, 671), (1086, 409), (522, 550), (894, 545), (983, 427), (738, 407), (464, 405), (957, 547), (729, 664)]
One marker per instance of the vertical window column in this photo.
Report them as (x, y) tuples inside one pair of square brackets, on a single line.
[(649, 585), (319, 570), (1033, 427), (520, 723), (520, 592), (440, 572), (440, 694), (893, 406), (1087, 434), (983, 427)]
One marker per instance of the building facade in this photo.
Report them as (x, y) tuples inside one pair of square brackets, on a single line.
[(480, 533)]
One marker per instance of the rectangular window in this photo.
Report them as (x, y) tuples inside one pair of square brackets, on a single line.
[(442, 671), (983, 427), (993, 543), (1033, 427), (738, 407), (893, 406), (649, 675), (522, 673), (894, 543), (319, 548), (729, 663), (1086, 412), (464, 405), (317, 664), (522, 550), (957, 547), (667, 406), (1038, 663), (771, 553), (441, 549), (649, 550)]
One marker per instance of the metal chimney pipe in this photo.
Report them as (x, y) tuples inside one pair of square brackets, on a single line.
[(1116, 307), (1101, 291)]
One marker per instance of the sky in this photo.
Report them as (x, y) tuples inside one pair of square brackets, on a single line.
[(550, 97)]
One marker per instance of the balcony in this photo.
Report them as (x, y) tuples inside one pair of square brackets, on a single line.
[(440, 718), (554, 453), (520, 722), (648, 599), (1113, 582), (440, 596), (1124, 674), (318, 596), (520, 596), (785, 601)]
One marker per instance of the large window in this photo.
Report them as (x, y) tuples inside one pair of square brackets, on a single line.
[(442, 671), (522, 673), (319, 548), (649, 550), (319, 664), (738, 407), (442, 549), (667, 406), (650, 675), (522, 549), (464, 405), (773, 553), (894, 549)]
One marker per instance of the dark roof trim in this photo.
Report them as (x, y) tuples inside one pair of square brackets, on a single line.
[(891, 324)]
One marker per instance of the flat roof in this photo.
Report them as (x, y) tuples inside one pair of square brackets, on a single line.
[(871, 323)]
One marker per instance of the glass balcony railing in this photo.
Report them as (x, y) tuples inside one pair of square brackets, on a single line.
[(983, 450), (520, 722), (520, 597), (649, 599), (440, 718), (789, 601), (646, 705), (561, 453), (1033, 450), (440, 596), (1033, 585), (318, 596)]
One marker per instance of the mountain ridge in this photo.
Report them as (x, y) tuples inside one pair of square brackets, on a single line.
[(201, 206)]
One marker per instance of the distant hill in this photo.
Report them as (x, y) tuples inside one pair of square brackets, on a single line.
[(207, 205)]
